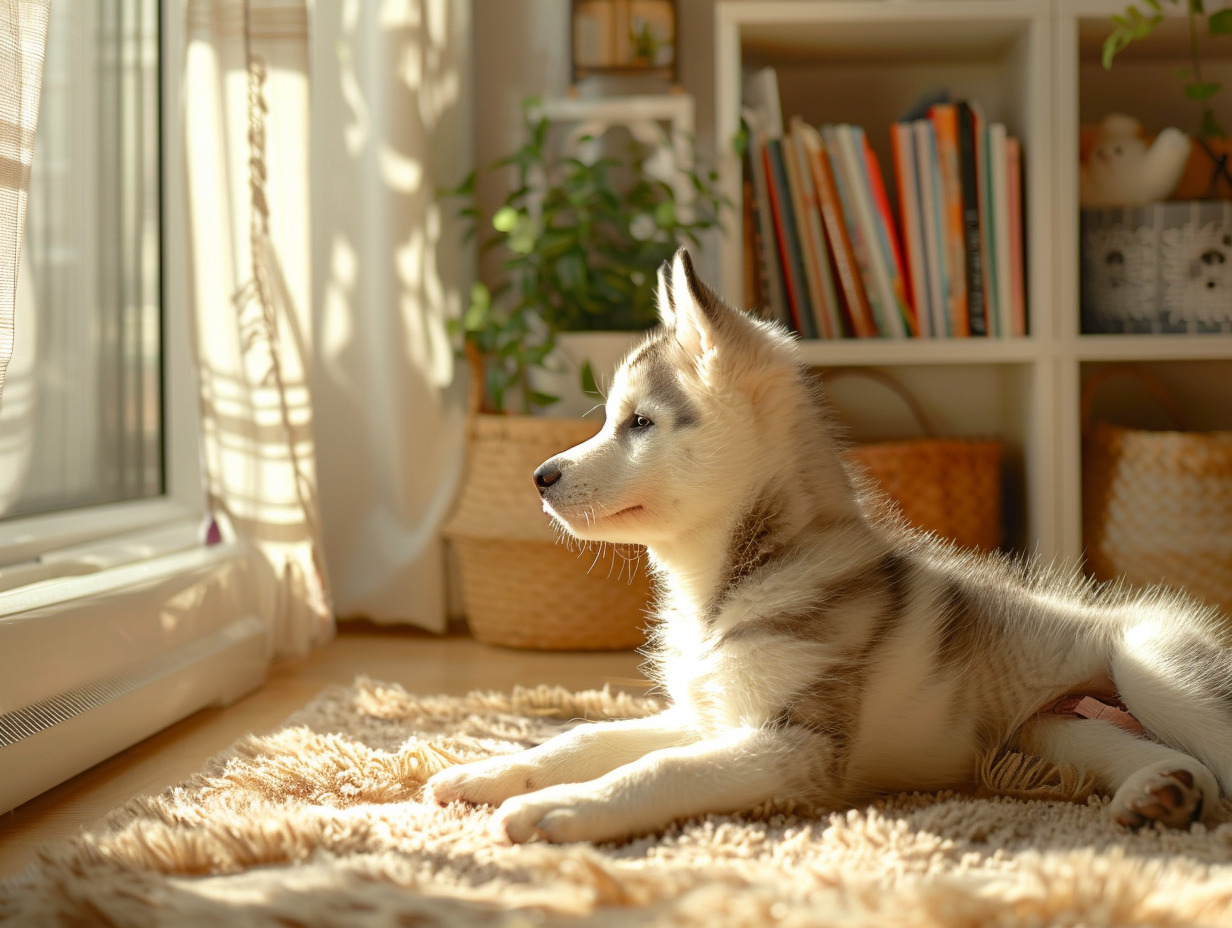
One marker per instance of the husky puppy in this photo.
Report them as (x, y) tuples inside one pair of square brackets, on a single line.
[(816, 649)]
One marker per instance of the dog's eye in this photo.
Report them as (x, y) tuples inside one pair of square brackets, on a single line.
[(639, 422)]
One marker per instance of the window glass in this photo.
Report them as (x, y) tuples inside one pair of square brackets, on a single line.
[(81, 416)]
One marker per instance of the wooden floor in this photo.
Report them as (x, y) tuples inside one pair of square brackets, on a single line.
[(422, 663)]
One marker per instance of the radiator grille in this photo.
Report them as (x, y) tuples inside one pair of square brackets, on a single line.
[(29, 720)]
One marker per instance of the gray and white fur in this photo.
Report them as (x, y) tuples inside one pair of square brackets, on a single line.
[(813, 647)]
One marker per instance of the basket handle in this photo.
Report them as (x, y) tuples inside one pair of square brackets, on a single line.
[(895, 386), (1144, 377)]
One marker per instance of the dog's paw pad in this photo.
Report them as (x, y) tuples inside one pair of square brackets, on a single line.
[(1170, 797)]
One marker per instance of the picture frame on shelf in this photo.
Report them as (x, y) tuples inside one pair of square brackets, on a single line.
[(622, 37)]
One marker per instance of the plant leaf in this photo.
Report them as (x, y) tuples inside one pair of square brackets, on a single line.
[(589, 386), (740, 141), (1220, 22), (505, 219), (542, 399), (1201, 90)]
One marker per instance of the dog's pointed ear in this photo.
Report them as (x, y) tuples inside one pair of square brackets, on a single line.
[(667, 311), (697, 312)]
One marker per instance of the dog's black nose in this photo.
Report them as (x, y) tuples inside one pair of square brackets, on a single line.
[(546, 474)]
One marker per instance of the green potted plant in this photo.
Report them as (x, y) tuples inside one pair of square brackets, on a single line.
[(578, 242), (1209, 175)]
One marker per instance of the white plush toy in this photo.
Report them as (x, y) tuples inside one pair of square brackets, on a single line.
[(1121, 171)]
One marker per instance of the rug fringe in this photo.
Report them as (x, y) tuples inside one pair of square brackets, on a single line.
[(1025, 776)]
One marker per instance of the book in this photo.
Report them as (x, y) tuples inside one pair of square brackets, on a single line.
[(762, 116), (932, 214), (849, 143), (969, 132), (841, 171), (944, 118), (999, 254), (891, 242), (988, 242), (787, 231), (807, 282), (906, 172), (805, 234), (1017, 218), (859, 316), (808, 213)]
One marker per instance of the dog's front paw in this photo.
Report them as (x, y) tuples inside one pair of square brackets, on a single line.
[(1173, 796), (560, 815), (488, 782)]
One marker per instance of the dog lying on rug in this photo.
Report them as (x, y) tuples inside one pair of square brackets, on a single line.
[(816, 649)]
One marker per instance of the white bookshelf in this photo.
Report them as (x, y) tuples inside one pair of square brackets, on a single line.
[(1034, 65)]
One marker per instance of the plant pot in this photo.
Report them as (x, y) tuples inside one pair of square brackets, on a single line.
[(604, 350), (1165, 268), (525, 587)]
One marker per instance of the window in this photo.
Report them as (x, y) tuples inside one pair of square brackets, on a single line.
[(82, 410), (116, 619), (94, 440)]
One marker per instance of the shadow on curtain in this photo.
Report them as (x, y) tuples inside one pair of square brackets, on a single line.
[(246, 133)]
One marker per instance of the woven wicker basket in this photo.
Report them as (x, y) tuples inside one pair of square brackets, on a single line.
[(948, 486), (523, 587), (1157, 505)]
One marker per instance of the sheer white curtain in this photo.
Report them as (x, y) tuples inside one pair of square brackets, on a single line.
[(391, 126), (23, 43), (245, 108)]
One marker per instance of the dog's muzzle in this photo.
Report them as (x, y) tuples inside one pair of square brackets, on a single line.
[(546, 474)]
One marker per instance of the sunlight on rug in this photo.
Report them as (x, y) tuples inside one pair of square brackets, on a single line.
[(319, 824)]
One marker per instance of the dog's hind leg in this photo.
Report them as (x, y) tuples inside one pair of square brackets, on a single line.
[(1177, 681), (733, 772), (1150, 782)]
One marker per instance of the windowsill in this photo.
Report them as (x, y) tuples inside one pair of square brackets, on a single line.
[(29, 539)]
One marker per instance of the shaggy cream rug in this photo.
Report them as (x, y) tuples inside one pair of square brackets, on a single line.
[(320, 824)]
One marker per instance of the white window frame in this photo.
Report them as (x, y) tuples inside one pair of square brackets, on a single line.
[(117, 620)]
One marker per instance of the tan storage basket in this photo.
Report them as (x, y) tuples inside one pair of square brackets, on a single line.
[(523, 587), (1157, 505), (948, 486)]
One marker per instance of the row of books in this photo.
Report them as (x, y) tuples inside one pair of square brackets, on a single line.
[(835, 261)]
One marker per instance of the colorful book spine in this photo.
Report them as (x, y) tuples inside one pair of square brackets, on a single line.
[(859, 318), (770, 264), (851, 144), (906, 172), (944, 117), (972, 210), (762, 111), (1017, 258), (817, 263), (932, 212), (861, 244), (789, 240), (999, 253), (891, 241)]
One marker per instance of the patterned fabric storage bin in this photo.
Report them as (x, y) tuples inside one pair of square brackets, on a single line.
[(1162, 268)]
